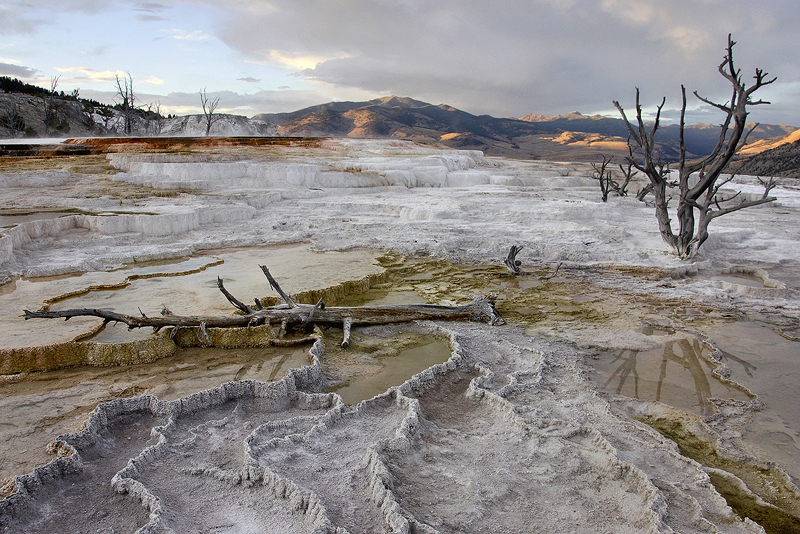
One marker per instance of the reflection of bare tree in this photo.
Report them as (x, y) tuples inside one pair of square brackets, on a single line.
[(746, 366), (625, 369), (683, 352), (691, 362)]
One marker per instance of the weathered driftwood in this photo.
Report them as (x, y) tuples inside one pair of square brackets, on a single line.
[(346, 324), (291, 315), (513, 264), (480, 309)]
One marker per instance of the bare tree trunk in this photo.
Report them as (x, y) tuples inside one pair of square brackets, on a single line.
[(628, 173), (511, 261), (662, 214), (479, 309), (13, 120), (603, 176)]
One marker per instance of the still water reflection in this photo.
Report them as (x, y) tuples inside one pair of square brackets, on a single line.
[(677, 373)]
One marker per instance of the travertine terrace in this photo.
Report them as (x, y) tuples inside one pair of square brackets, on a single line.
[(510, 434)]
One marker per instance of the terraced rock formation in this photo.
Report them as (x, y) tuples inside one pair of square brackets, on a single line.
[(508, 439)]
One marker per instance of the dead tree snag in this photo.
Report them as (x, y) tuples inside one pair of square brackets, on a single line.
[(702, 195), (604, 177), (209, 107), (511, 262)]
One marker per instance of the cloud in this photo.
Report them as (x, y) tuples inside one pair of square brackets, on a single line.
[(85, 74), (249, 79), (515, 57), (151, 7), (15, 20), (150, 18), (27, 16), (18, 71), (505, 58), (150, 11), (183, 35), (77, 75)]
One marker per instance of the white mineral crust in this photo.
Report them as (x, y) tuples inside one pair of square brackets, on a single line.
[(506, 436)]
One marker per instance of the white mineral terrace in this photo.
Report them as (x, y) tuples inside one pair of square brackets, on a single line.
[(515, 432)]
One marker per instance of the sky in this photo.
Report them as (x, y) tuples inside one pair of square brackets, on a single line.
[(505, 58)]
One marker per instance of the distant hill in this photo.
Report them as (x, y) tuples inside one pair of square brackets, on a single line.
[(393, 116), (701, 138), (22, 114), (569, 137), (780, 158)]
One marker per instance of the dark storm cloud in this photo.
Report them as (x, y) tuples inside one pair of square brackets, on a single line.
[(516, 57)]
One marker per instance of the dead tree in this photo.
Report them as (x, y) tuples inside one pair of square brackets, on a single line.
[(513, 264), (127, 102), (13, 120), (49, 104), (703, 194), (603, 176), (292, 315), (159, 120), (151, 113), (208, 110), (646, 190)]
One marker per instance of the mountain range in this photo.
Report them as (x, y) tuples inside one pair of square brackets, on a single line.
[(571, 137), (775, 148)]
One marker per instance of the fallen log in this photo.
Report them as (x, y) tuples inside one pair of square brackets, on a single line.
[(291, 314), (480, 309)]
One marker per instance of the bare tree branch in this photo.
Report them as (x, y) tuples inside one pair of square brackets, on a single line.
[(511, 261), (297, 315)]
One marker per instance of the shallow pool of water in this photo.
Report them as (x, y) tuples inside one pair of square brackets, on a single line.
[(740, 279), (393, 370), (677, 373), (769, 365), (186, 287)]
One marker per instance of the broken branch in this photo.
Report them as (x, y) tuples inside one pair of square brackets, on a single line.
[(233, 300), (274, 285), (511, 261), (346, 324)]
